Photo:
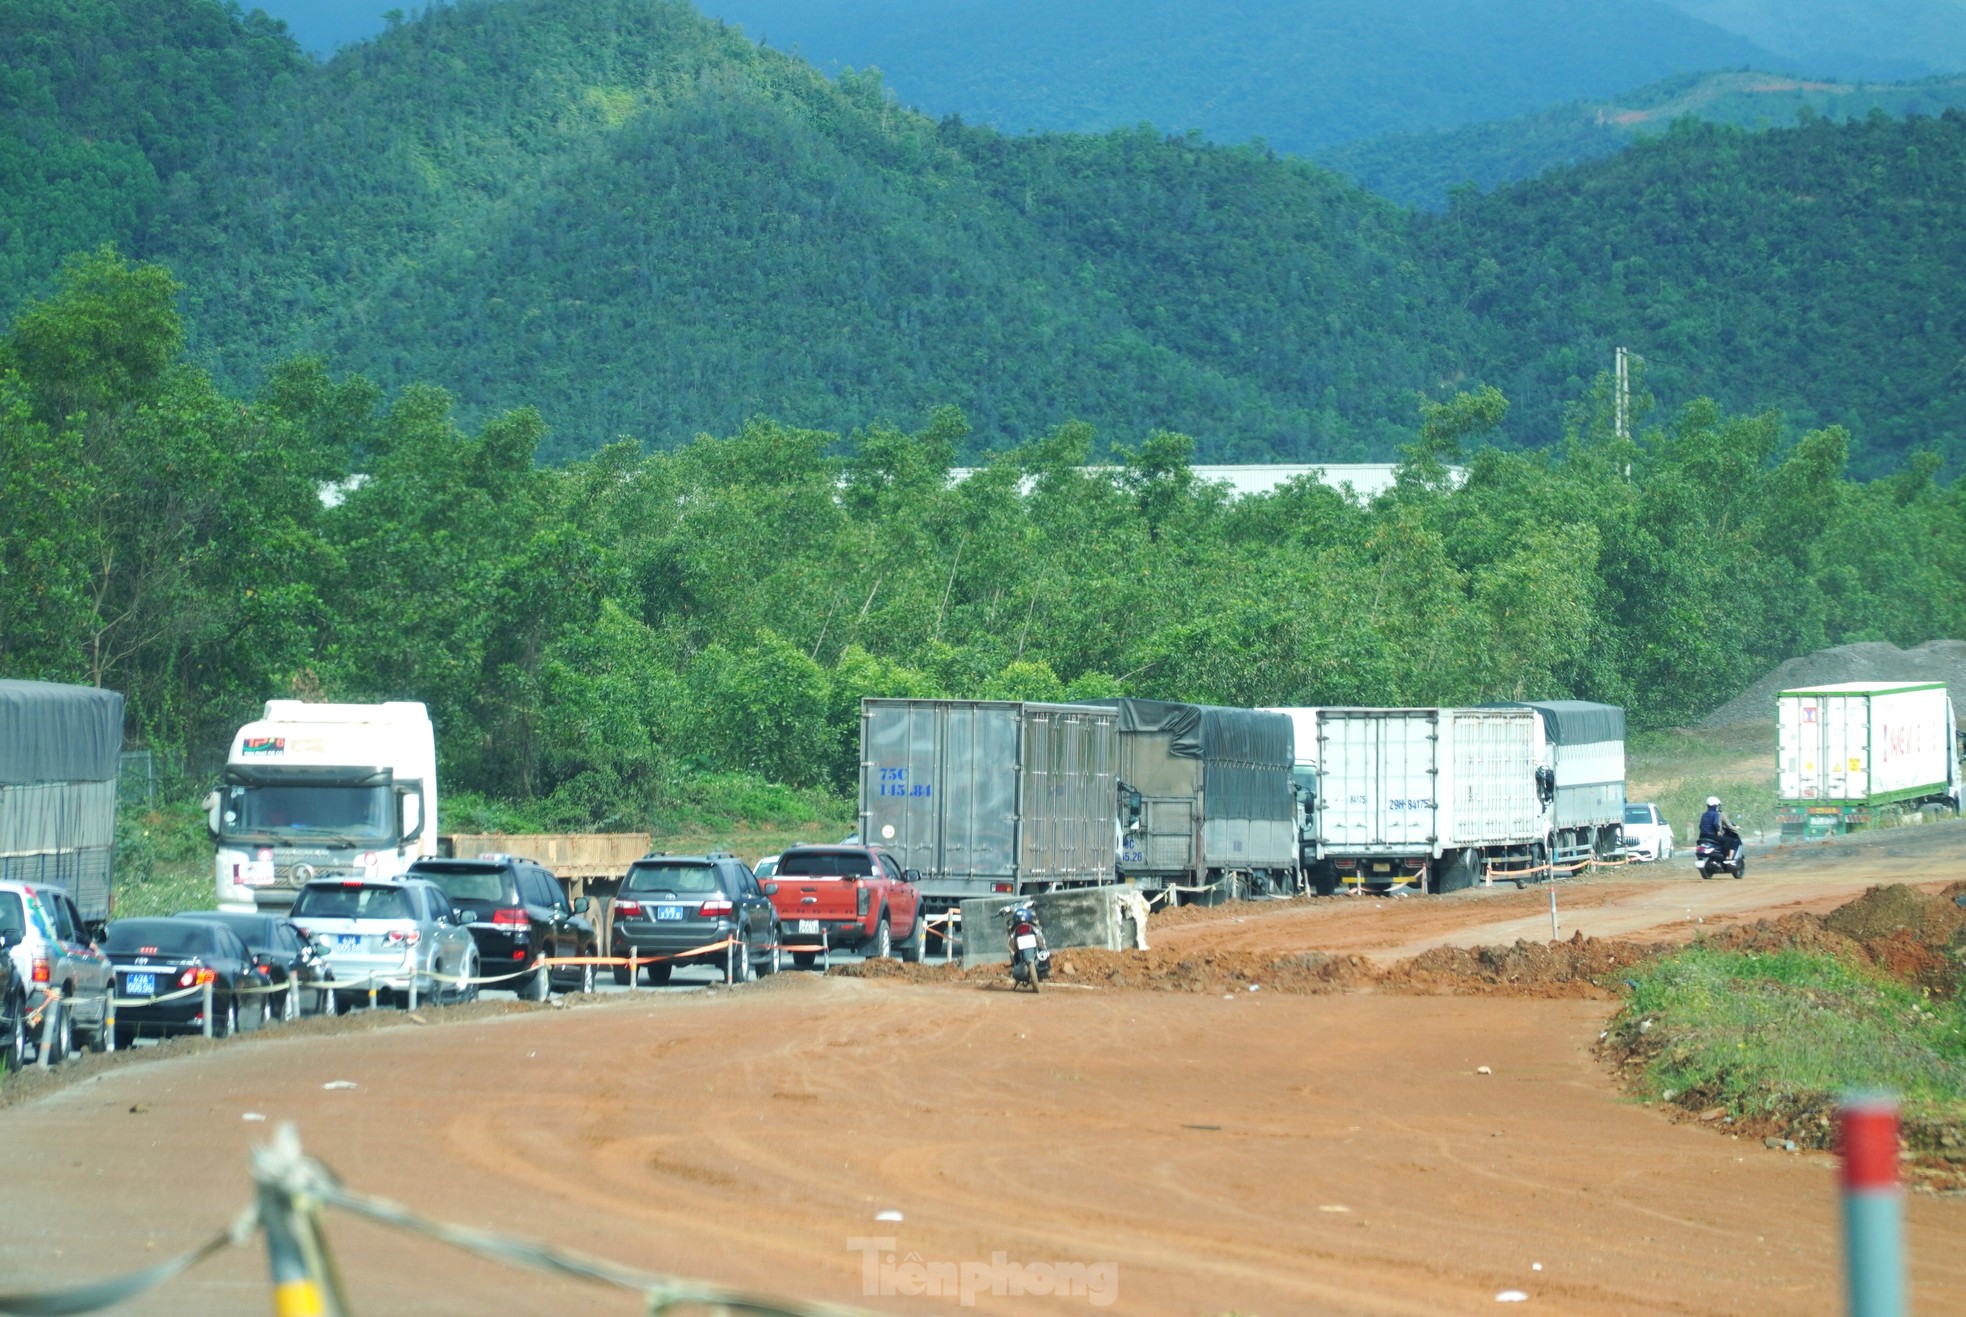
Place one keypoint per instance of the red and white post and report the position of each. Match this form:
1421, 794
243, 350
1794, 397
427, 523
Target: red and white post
1873, 1207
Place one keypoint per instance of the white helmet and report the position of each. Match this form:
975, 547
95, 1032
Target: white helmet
1713, 800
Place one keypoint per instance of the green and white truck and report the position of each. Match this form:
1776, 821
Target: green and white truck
1861, 753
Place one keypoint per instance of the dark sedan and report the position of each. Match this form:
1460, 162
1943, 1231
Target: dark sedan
162, 967
282, 953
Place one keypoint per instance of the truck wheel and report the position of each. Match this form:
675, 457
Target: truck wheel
739, 969
911, 950
882, 946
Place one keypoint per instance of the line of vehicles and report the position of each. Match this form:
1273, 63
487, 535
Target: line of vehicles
326, 823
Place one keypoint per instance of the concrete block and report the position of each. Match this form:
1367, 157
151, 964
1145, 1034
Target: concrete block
1077, 917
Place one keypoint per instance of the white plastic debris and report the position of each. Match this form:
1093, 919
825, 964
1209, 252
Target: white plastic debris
252, 1115
334, 1084
1535, 1266
1334, 1207
889, 1215
1511, 1296
1255, 987
1483, 1070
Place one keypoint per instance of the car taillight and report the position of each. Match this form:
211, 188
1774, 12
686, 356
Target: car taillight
999, 887
627, 908
41, 974
196, 975
866, 898
409, 935
512, 917
718, 909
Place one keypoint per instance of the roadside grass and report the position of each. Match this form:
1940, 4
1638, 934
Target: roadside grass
1677, 770
1776, 1038
163, 860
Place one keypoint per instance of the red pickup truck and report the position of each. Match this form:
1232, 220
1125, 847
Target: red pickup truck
855, 897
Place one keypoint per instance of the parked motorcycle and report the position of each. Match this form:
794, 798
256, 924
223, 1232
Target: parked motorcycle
1711, 858
1030, 959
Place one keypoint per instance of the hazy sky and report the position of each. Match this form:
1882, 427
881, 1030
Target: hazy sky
321, 25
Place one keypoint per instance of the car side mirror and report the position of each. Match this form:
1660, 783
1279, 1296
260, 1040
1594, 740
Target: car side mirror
7, 940
211, 812
581, 905
771, 889
911, 875
459, 917
321, 943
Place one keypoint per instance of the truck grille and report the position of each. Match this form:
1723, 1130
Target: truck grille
300, 873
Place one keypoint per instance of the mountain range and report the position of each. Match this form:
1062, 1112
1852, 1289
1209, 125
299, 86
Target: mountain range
644, 223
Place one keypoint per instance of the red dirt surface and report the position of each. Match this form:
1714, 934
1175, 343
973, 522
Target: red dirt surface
1327, 1147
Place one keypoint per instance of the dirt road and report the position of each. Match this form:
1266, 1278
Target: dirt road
1260, 1154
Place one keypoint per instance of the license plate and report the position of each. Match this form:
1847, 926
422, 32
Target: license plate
139, 985
349, 940
668, 912
808, 925
1026, 941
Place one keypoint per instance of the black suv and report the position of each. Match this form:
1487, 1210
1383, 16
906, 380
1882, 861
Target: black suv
519, 914
705, 909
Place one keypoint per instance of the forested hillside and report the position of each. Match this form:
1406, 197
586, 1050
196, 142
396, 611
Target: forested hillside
1300, 74
603, 642
1423, 169
642, 223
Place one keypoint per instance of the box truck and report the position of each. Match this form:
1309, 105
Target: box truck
990, 797
323, 791
1304, 783
1582, 747
60, 752
1425, 797
1209, 803
1858, 753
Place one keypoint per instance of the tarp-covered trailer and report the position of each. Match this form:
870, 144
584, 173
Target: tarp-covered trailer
1427, 797
1583, 746
1216, 813
1856, 753
60, 751
990, 797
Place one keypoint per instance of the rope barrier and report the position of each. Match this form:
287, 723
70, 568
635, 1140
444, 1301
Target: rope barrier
291, 1191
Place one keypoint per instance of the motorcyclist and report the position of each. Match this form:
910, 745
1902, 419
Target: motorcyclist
1714, 827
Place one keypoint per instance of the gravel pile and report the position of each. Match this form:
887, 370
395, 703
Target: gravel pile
1871, 660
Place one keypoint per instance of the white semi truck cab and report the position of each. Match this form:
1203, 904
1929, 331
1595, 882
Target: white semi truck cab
323, 791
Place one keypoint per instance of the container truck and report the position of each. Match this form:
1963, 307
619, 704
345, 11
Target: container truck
60, 751
990, 797
323, 791
1859, 753
1425, 797
1209, 804
1582, 747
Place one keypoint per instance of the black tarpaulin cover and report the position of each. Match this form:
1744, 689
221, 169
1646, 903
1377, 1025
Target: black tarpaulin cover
1575, 722
54, 733
1246, 755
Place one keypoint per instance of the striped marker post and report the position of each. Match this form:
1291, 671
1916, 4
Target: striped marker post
1873, 1207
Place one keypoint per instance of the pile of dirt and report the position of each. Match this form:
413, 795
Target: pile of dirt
1151, 971
1871, 660
1581, 967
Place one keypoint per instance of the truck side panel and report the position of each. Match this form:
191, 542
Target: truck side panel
1859, 746
1488, 791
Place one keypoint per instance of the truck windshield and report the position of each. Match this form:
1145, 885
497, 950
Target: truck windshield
353, 816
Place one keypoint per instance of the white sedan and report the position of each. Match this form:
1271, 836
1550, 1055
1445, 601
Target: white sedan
1647, 834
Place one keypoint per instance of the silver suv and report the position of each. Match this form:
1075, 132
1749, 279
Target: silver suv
391, 933
51, 948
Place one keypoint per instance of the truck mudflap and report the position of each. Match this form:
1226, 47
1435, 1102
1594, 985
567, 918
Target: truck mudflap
1355, 873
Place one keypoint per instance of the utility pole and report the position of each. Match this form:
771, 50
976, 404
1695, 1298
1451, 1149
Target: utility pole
1624, 395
